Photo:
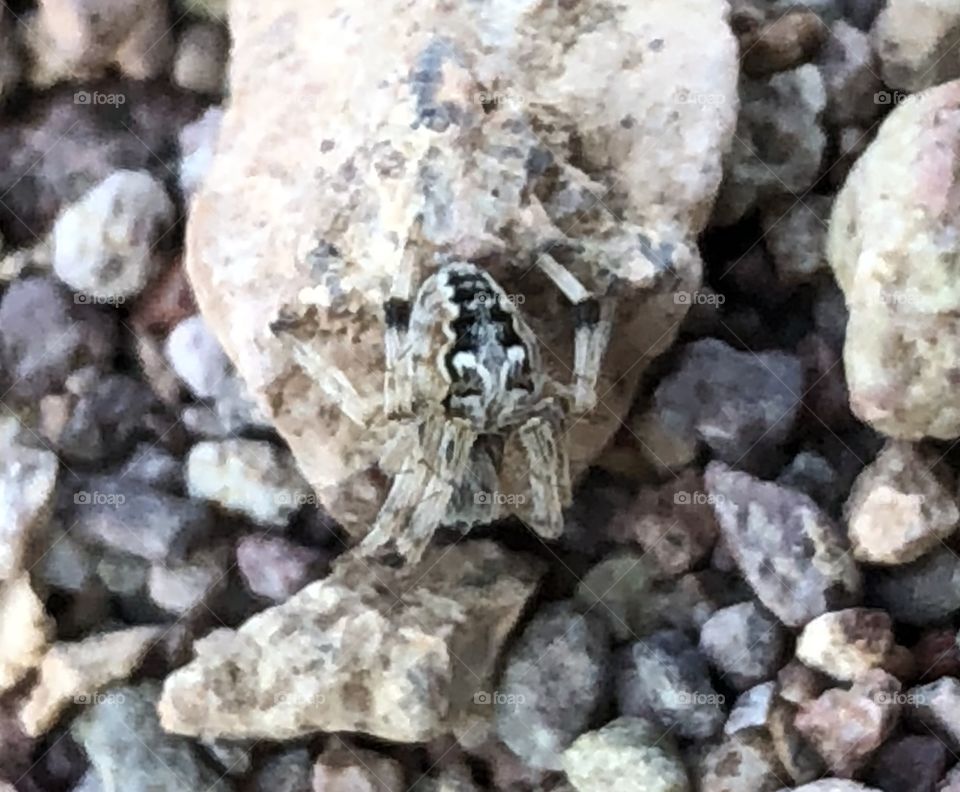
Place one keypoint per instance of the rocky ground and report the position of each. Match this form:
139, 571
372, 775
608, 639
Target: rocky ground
758, 584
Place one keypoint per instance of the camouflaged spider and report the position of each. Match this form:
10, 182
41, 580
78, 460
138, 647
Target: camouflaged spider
463, 375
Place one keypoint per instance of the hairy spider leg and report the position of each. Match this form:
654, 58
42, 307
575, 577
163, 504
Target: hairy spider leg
591, 332
398, 368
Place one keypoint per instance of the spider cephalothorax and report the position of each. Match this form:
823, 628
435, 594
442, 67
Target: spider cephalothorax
465, 385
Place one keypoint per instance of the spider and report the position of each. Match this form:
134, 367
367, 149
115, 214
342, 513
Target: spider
464, 381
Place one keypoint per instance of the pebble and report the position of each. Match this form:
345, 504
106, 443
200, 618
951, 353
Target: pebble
665, 679
25, 629
251, 477
746, 763
75, 673
790, 552
150, 464
795, 234
180, 586
45, 335
812, 474
276, 568
846, 644
201, 58
915, 43
935, 708
736, 403
912, 763
198, 141
27, 481
104, 245
629, 755
288, 771
936, 654
744, 643
673, 523
130, 751
850, 74
66, 564
751, 710
197, 357
779, 144
847, 726
796, 753
924, 592
130, 517
344, 768
831, 785
552, 684
899, 508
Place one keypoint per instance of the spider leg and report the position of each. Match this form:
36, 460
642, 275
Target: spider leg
330, 379
549, 473
398, 368
591, 328
422, 489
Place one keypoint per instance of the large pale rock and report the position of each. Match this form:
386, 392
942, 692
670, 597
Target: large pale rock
848, 643
893, 246
27, 480
24, 630
916, 41
75, 672
399, 654
502, 132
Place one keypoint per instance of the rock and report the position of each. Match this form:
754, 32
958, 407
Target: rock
751, 709
123, 575
24, 630
130, 751
673, 523
910, 763
936, 654
27, 482
206, 9
234, 758
450, 779
197, 357
356, 657
846, 726
275, 568
134, 518
197, 143
936, 708
951, 782
850, 68
831, 785
736, 403
104, 246
899, 508
779, 143
899, 348
628, 754
341, 768
290, 771
926, 591
846, 644
914, 41
862, 13
152, 465
536, 81
10, 65
790, 552
795, 233
16, 748
104, 414
780, 43
180, 586
812, 474
65, 564
251, 477
560, 650
747, 762
82, 40
667, 450
74, 673
44, 336
201, 59
795, 752
744, 643
665, 679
